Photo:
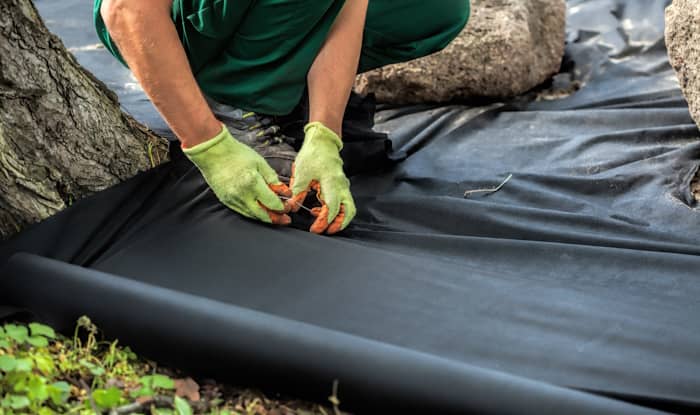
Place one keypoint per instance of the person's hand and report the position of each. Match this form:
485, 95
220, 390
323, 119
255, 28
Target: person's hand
241, 178
318, 166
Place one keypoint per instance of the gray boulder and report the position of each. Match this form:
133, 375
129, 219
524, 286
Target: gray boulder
683, 44
507, 48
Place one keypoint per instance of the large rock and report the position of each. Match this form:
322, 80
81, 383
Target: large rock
683, 43
507, 48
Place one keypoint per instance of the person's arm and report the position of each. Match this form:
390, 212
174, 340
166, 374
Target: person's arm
319, 165
334, 70
147, 39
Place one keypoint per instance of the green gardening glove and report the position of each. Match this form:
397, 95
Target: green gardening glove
241, 178
318, 166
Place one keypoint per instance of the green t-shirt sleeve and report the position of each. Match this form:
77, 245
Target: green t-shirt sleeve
103, 34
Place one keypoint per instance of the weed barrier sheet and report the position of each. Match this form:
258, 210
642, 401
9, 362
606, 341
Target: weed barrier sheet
573, 289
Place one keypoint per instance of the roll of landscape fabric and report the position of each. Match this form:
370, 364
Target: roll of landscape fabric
213, 337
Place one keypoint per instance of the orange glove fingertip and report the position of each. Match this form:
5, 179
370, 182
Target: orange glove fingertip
321, 223
337, 224
280, 219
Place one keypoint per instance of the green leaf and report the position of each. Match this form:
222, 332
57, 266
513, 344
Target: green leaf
96, 370
7, 363
182, 407
4, 344
46, 411
152, 382
163, 382
157, 381
19, 383
58, 392
107, 398
143, 391
36, 389
24, 365
44, 364
130, 355
16, 333
16, 401
42, 330
37, 341
2, 333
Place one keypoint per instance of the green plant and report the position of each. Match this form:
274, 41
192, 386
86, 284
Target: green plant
45, 373
27, 372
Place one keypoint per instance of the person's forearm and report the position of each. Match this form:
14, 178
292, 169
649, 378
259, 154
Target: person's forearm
333, 72
148, 41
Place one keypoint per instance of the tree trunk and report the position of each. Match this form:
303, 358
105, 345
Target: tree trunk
62, 132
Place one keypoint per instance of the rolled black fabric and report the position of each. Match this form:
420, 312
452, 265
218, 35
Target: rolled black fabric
580, 272
202, 334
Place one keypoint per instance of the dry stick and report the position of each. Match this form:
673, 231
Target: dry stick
85, 386
159, 401
334, 398
490, 190
137, 406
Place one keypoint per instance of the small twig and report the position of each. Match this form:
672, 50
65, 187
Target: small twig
334, 398
126, 409
158, 401
85, 386
489, 190
73, 381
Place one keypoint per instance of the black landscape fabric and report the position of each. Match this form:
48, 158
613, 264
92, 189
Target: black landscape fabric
574, 289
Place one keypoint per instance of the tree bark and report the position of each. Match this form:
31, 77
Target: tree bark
62, 132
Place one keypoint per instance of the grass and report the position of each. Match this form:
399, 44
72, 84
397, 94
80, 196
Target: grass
45, 373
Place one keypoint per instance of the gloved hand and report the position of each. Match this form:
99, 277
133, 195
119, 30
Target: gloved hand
318, 166
241, 178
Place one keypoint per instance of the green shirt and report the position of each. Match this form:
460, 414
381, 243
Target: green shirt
256, 54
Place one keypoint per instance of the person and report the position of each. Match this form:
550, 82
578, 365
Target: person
216, 70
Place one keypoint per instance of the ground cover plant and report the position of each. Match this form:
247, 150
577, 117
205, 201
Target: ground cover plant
44, 373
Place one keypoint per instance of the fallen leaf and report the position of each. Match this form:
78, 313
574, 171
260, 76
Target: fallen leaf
187, 388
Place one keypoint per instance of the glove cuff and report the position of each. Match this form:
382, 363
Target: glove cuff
325, 132
202, 147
